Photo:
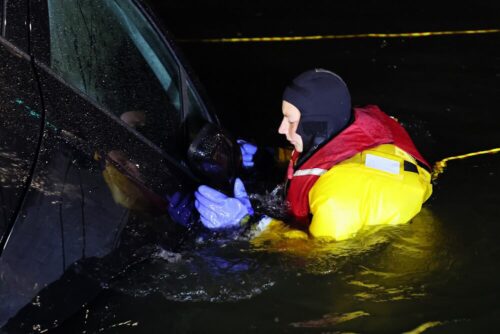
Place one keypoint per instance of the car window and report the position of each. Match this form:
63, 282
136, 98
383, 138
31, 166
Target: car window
196, 114
14, 22
109, 51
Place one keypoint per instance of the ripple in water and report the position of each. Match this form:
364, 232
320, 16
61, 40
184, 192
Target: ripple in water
205, 275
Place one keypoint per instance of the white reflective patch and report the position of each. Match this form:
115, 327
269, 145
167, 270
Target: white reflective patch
312, 171
383, 164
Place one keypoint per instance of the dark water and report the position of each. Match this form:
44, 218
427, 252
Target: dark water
438, 274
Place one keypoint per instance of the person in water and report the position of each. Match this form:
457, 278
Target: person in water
351, 167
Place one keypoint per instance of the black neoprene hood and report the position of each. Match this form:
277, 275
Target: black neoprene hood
324, 102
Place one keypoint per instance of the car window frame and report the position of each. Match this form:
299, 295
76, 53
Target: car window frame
184, 79
15, 49
187, 75
168, 157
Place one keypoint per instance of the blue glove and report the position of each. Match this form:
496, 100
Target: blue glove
248, 150
220, 211
180, 208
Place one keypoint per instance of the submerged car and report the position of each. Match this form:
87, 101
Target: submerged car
98, 114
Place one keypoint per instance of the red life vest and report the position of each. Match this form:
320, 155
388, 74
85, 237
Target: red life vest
371, 127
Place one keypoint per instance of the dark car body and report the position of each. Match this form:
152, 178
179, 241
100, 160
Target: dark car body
97, 113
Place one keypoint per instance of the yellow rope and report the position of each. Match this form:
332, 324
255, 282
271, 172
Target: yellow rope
438, 166
348, 36
441, 165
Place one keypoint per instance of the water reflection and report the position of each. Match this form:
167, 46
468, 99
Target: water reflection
409, 257
206, 275
427, 275
381, 264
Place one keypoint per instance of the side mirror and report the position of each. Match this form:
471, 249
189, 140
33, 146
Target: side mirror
215, 157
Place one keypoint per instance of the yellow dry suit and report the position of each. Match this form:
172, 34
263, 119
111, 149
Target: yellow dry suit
383, 185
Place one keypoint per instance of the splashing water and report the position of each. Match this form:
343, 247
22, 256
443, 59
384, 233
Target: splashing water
272, 203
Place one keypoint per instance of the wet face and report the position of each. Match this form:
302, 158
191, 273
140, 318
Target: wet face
289, 124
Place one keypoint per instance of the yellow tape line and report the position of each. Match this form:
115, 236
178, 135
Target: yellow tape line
441, 165
348, 36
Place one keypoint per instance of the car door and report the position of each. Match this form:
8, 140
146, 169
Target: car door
21, 113
117, 103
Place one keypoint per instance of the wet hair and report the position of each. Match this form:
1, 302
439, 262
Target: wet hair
324, 102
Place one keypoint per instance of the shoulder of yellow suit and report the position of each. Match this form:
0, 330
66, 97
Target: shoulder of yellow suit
371, 188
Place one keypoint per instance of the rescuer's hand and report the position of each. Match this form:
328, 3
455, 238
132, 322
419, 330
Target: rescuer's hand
248, 151
180, 208
220, 211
